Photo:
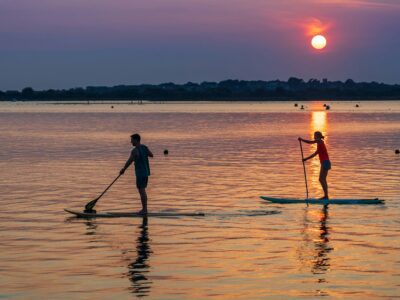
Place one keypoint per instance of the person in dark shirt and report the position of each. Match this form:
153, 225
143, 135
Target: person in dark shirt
140, 156
323, 158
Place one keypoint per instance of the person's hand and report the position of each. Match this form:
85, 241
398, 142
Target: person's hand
122, 172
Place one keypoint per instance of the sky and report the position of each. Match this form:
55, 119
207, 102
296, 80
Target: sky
76, 43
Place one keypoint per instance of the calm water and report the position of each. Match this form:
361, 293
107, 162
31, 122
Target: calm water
222, 157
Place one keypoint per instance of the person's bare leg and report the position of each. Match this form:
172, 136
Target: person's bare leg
322, 179
143, 199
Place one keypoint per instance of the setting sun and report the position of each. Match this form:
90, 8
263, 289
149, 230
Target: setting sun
318, 42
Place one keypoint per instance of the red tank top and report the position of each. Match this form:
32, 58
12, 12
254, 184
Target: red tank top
322, 152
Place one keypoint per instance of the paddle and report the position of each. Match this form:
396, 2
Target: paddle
90, 205
304, 168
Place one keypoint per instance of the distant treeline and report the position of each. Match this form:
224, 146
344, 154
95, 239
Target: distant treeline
294, 88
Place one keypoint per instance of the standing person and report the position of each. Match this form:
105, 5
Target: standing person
323, 158
140, 156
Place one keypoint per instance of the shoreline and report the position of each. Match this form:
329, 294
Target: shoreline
191, 101
121, 106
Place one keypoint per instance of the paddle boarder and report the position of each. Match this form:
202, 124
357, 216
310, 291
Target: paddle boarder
323, 158
140, 156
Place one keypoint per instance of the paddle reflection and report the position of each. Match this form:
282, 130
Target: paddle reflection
139, 268
91, 227
314, 251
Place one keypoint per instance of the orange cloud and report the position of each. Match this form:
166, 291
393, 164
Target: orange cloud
385, 4
315, 26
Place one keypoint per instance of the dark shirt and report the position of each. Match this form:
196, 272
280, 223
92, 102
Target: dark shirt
142, 166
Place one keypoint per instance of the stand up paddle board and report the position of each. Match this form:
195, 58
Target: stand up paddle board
324, 201
80, 214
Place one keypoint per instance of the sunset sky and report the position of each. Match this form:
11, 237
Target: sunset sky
63, 44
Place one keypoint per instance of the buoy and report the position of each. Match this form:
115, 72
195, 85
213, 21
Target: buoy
357, 105
112, 106
166, 152
295, 105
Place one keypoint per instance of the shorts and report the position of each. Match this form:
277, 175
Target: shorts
326, 165
141, 182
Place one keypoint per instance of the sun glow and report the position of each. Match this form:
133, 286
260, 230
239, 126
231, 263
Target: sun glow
319, 122
318, 42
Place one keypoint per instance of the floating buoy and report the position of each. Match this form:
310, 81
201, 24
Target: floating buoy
357, 105
295, 105
112, 106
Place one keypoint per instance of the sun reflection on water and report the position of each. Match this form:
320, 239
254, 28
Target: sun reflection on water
319, 122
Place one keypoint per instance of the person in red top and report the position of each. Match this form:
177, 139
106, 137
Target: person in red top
323, 158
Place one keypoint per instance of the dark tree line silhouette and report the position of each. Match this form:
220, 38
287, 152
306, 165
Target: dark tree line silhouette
293, 88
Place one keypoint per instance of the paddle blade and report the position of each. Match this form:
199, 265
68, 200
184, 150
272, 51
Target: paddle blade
90, 205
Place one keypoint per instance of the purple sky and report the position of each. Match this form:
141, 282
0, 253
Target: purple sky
70, 43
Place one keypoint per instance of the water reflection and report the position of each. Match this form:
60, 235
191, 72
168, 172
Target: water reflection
319, 122
315, 249
321, 244
64, 263
91, 227
139, 268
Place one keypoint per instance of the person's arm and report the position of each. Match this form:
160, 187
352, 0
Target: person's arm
311, 156
307, 141
130, 160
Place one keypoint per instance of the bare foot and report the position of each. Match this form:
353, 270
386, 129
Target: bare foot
324, 198
142, 212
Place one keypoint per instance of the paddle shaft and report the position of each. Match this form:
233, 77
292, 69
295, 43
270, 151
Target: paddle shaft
89, 206
108, 187
304, 168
